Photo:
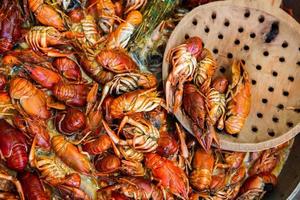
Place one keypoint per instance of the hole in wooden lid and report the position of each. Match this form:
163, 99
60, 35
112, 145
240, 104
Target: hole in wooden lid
282, 59
266, 53
214, 15
259, 115
258, 67
252, 35
241, 29
274, 73
285, 44
275, 119
246, 47
297, 110
215, 50
220, 36
254, 129
247, 13
271, 133
280, 106
261, 18
253, 82
291, 78
237, 42
298, 63
226, 23
264, 100
285, 93
195, 22
206, 29
229, 55
186, 36
271, 89
290, 124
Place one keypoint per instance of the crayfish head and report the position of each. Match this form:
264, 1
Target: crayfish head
194, 46
76, 15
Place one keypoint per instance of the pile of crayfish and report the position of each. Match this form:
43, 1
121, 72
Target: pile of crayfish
80, 120
208, 102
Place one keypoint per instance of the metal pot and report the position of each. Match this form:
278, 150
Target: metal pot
289, 179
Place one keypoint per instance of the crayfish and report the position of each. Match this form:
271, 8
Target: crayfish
216, 102
203, 165
7, 183
238, 99
183, 60
32, 100
13, 147
128, 82
43, 38
195, 107
257, 185
136, 101
33, 187
73, 158
71, 122
46, 14
143, 135
121, 36
204, 70
171, 177
67, 68
56, 173
132, 187
10, 24
33, 128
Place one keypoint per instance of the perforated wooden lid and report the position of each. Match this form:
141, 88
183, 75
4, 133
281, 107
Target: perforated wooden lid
269, 42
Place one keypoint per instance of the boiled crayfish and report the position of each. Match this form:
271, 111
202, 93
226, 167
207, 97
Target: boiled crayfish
136, 101
238, 99
183, 60
31, 99
128, 82
171, 177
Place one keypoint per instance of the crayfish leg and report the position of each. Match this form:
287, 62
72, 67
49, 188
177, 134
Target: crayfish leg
114, 137
178, 96
15, 182
183, 147
92, 97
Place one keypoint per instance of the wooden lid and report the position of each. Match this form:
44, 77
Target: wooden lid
268, 41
